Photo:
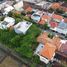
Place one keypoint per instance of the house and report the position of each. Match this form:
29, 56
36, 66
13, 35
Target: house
57, 42
62, 28
55, 6
65, 20
7, 10
22, 27
57, 18
63, 50
33, 1
47, 47
38, 49
44, 19
29, 9
5, 4
43, 38
64, 46
53, 24
47, 53
58, 24
8, 21
44, 4
6, 7
64, 6
19, 6
36, 16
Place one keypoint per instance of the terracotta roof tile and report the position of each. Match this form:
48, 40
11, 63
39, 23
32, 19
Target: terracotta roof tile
57, 42
29, 9
42, 22
55, 5
42, 37
43, 19
48, 51
55, 16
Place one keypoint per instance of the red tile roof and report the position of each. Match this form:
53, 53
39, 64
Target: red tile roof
48, 50
29, 9
43, 38
55, 16
43, 19
55, 5
57, 42
42, 22
53, 24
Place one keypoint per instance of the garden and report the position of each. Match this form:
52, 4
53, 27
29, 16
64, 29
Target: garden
24, 45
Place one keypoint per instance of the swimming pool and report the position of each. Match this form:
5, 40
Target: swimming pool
36, 17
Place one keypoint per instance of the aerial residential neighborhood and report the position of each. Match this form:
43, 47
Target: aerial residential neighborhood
33, 33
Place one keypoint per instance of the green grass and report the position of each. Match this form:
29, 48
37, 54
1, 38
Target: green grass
24, 45
65, 0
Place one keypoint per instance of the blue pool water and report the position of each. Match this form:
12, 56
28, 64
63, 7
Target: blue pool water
36, 17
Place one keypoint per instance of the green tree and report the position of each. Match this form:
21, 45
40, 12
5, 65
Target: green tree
50, 35
17, 20
10, 14
46, 26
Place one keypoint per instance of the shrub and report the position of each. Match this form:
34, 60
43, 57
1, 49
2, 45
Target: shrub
26, 18
46, 26
23, 13
15, 41
2, 18
60, 11
50, 35
10, 14
17, 20
36, 59
50, 10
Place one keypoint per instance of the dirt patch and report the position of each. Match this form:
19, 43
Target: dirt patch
9, 62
